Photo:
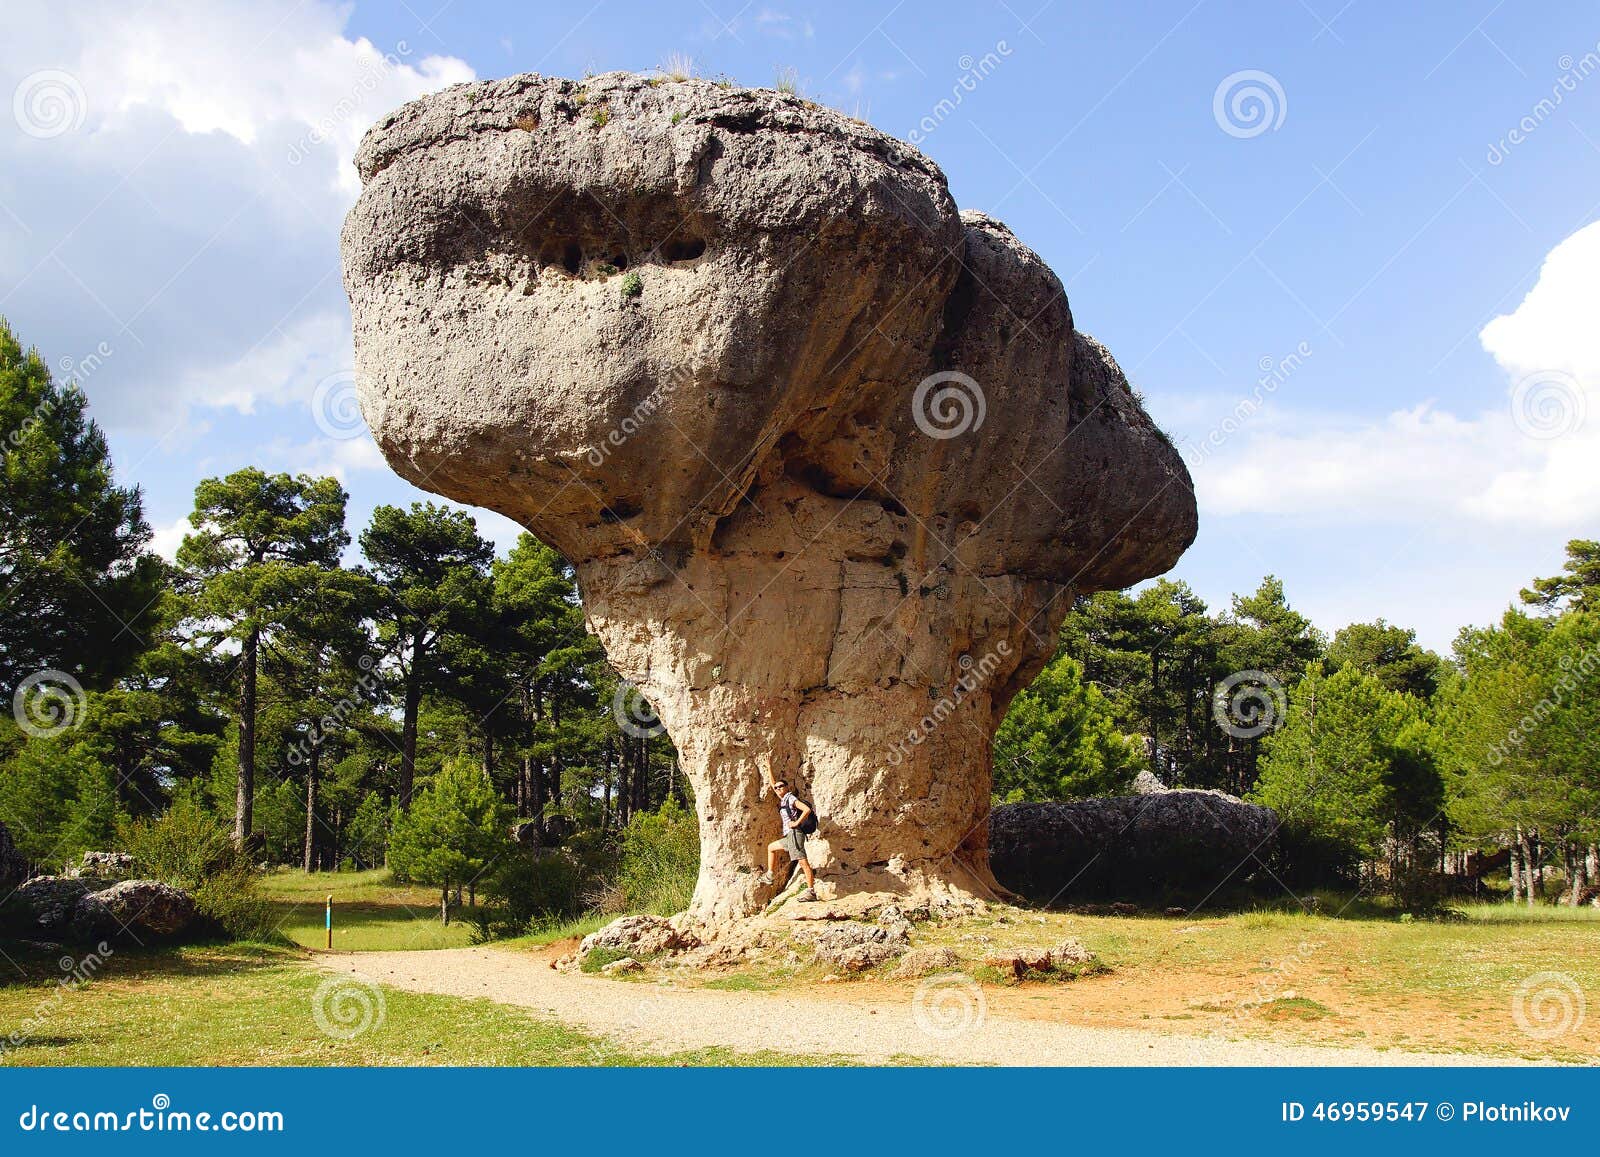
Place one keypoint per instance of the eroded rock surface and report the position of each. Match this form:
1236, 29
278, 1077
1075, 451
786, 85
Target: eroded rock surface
828, 455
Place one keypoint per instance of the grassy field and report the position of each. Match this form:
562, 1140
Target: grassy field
370, 912
1503, 980
257, 1005
1500, 979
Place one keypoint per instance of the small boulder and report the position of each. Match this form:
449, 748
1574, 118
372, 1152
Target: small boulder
141, 909
637, 936
920, 962
1070, 952
854, 946
620, 967
1018, 962
1005, 963
105, 866
51, 901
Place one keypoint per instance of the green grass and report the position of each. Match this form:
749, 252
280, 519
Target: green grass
370, 912
744, 982
1508, 913
1293, 1008
256, 1005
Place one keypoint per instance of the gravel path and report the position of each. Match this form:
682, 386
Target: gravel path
878, 1025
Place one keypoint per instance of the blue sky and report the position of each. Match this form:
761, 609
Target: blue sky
1396, 227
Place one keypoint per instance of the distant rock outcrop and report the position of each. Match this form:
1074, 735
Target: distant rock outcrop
1158, 844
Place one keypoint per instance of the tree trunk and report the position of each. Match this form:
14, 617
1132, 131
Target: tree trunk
244, 799
1516, 867
1574, 872
408, 725
1526, 844
311, 806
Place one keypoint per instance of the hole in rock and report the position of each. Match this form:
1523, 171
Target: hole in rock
684, 250
572, 259
619, 510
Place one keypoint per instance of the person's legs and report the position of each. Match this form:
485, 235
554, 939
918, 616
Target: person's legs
774, 851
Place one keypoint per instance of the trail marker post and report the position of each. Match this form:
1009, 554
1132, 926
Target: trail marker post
330, 922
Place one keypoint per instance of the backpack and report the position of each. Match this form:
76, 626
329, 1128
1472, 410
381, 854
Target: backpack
807, 826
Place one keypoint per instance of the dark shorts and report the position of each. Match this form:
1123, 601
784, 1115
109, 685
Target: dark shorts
794, 842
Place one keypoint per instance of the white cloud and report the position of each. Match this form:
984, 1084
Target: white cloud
187, 210
338, 457
248, 68
165, 540
1530, 461
1557, 326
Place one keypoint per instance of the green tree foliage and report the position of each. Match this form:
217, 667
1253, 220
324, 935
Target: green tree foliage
1391, 653
432, 570
1159, 657
58, 800
1351, 771
80, 591
264, 551
1522, 745
1576, 586
1059, 741
659, 860
456, 827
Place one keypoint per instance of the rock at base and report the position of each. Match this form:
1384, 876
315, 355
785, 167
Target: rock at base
637, 936
854, 946
1145, 846
618, 967
920, 962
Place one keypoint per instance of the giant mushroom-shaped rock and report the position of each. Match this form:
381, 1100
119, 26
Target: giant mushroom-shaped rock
828, 456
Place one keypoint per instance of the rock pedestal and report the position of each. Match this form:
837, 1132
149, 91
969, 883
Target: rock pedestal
829, 457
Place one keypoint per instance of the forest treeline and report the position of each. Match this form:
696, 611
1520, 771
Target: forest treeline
401, 695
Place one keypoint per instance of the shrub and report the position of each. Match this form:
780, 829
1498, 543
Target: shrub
659, 861
189, 848
527, 889
232, 901
184, 846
